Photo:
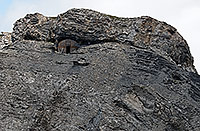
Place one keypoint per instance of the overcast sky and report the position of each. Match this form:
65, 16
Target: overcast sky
184, 15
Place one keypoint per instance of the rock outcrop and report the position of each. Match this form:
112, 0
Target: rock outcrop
132, 74
90, 26
5, 39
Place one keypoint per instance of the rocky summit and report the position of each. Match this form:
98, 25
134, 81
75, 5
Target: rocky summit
88, 71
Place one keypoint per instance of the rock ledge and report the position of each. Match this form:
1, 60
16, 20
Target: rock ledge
88, 26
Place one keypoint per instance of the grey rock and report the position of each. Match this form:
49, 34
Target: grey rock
5, 39
105, 85
33, 27
86, 25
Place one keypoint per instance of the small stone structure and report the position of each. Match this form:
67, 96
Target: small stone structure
67, 46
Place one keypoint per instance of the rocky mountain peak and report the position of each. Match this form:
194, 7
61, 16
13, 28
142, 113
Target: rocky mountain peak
85, 70
91, 26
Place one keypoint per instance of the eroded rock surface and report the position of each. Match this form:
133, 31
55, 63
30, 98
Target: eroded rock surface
89, 26
5, 39
111, 82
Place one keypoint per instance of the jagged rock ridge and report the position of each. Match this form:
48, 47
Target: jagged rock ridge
91, 26
114, 81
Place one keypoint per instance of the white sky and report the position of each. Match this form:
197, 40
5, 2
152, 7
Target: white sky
184, 15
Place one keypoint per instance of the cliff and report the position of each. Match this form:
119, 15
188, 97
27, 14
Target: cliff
128, 74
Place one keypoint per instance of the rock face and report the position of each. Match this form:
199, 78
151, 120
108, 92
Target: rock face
5, 39
132, 74
90, 26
